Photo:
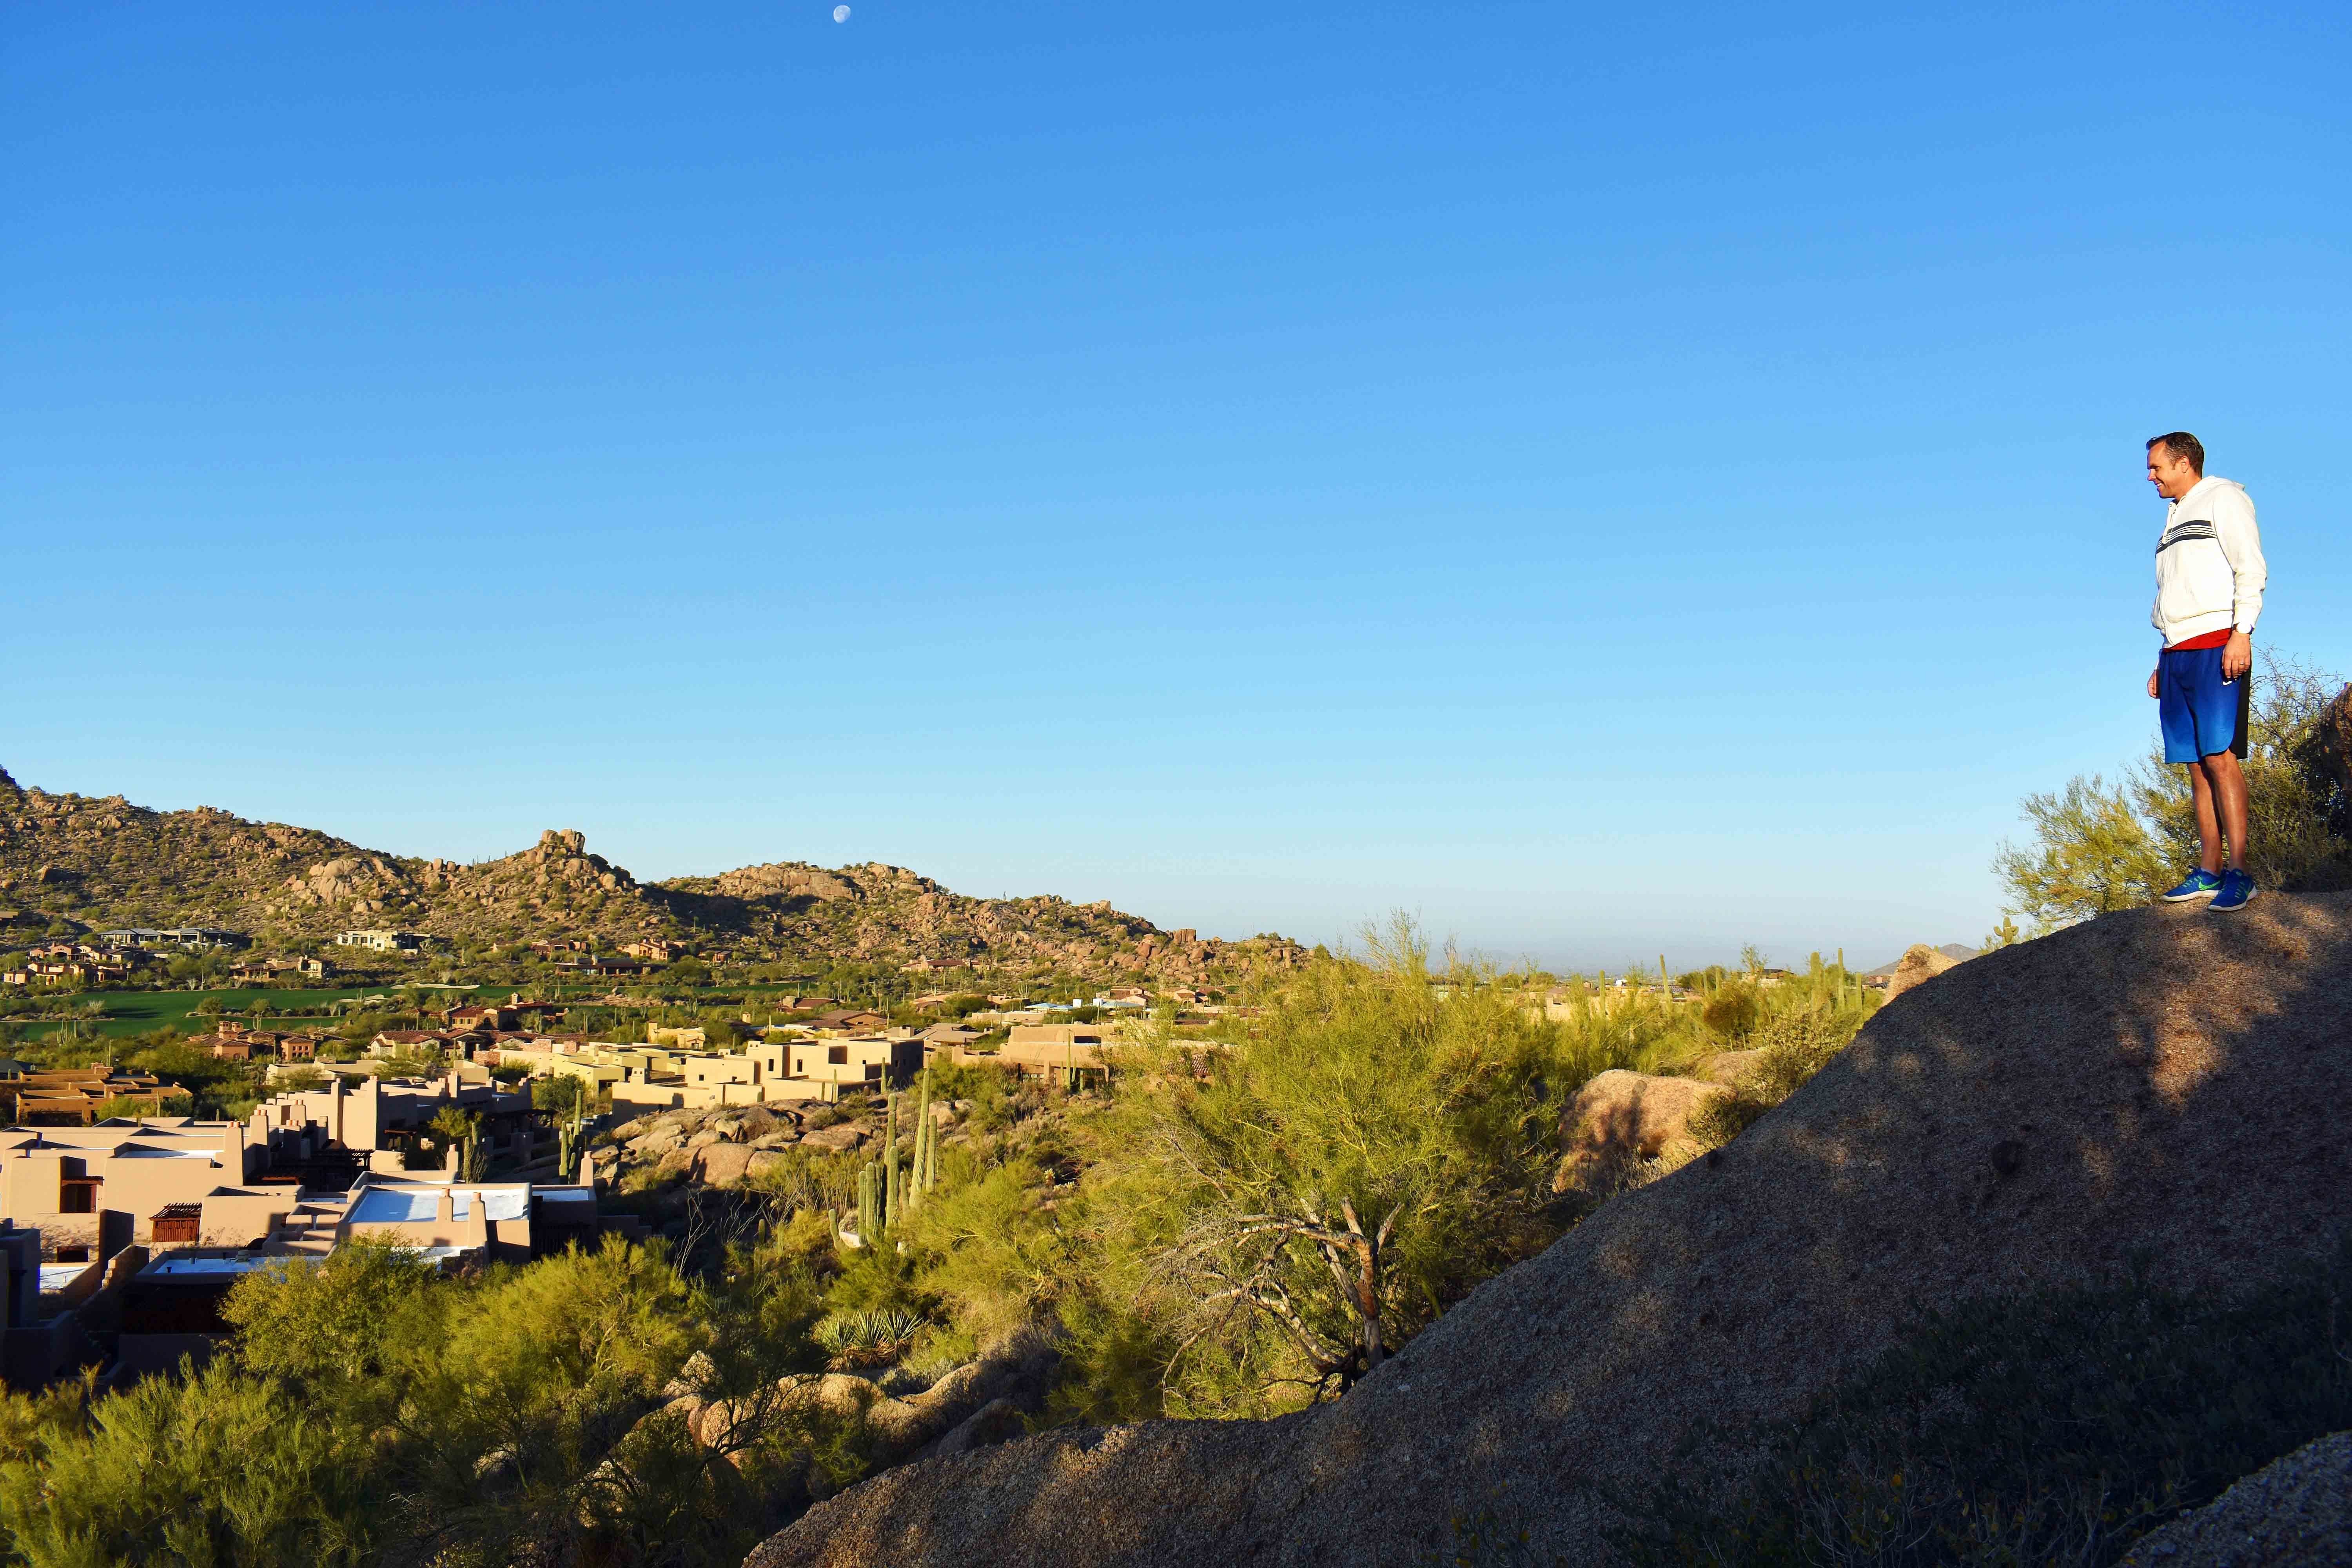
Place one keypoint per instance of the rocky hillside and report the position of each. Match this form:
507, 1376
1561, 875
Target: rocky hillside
102, 862
887, 912
2163, 1084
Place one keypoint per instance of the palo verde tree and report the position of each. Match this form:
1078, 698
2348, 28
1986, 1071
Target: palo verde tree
1376, 1145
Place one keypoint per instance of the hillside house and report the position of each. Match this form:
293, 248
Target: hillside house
191, 939
235, 1042
398, 1042
856, 1061
948, 1042
394, 942
483, 1016
847, 1020
78, 972
71, 1096
1037, 1049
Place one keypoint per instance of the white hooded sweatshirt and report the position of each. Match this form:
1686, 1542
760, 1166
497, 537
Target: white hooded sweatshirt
2210, 572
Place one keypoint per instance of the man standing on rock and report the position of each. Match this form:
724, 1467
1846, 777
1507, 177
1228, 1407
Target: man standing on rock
2209, 576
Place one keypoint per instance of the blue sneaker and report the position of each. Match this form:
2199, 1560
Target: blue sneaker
2237, 892
2201, 885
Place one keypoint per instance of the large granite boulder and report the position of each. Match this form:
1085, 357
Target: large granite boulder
1620, 1118
2156, 1085
1918, 965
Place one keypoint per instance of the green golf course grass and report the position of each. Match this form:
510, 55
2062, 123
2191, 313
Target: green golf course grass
130, 1013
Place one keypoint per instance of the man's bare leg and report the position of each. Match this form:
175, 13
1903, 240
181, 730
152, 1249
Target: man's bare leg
2209, 826
2219, 786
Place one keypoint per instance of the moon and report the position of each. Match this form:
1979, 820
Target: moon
841, 13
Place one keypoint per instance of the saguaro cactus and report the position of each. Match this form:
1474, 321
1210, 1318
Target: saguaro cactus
894, 1192
924, 1141
869, 1218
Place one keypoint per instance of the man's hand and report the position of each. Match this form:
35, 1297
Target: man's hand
2151, 682
2237, 656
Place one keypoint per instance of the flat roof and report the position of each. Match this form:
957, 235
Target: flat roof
412, 1205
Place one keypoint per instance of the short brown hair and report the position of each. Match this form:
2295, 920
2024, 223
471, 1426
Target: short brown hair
2181, 444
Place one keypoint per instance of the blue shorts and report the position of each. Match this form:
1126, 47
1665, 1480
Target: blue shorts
2202, 714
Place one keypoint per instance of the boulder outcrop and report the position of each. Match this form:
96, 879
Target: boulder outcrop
1623, 1117
1918, 965
1728, 1068
2161, 1083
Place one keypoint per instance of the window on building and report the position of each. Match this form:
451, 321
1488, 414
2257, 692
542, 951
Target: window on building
78, 1197
838, 1055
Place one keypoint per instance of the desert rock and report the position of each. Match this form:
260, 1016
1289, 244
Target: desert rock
2296, 1512
2178, 1091
1620, 1116
1918, 965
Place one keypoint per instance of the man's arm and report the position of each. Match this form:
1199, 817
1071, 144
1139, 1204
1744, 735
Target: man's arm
2241, 543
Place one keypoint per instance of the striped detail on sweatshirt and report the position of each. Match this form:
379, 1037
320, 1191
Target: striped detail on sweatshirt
2180, 533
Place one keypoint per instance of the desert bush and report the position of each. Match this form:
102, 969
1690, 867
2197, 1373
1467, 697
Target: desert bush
1732, 1012
2054, 1428
217, 1467
1796, 1044
1379, 1122
807, 1179
990, 1092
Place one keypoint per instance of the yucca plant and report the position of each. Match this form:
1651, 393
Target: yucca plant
859, 1339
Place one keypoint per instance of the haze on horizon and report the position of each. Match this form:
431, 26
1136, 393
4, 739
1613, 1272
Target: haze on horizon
1610, 484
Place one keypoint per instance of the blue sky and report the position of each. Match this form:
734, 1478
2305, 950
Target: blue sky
1605, 482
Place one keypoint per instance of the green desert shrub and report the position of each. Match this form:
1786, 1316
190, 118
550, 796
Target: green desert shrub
1796, 1044
2054, 1428
218, 1467
1732, 1012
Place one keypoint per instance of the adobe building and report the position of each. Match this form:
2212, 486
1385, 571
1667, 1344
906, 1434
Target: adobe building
92, 1189
1037, 1049
171, 1306
71, 1096
381, 1119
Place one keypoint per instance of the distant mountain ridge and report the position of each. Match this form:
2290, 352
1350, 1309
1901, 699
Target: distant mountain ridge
106, 862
